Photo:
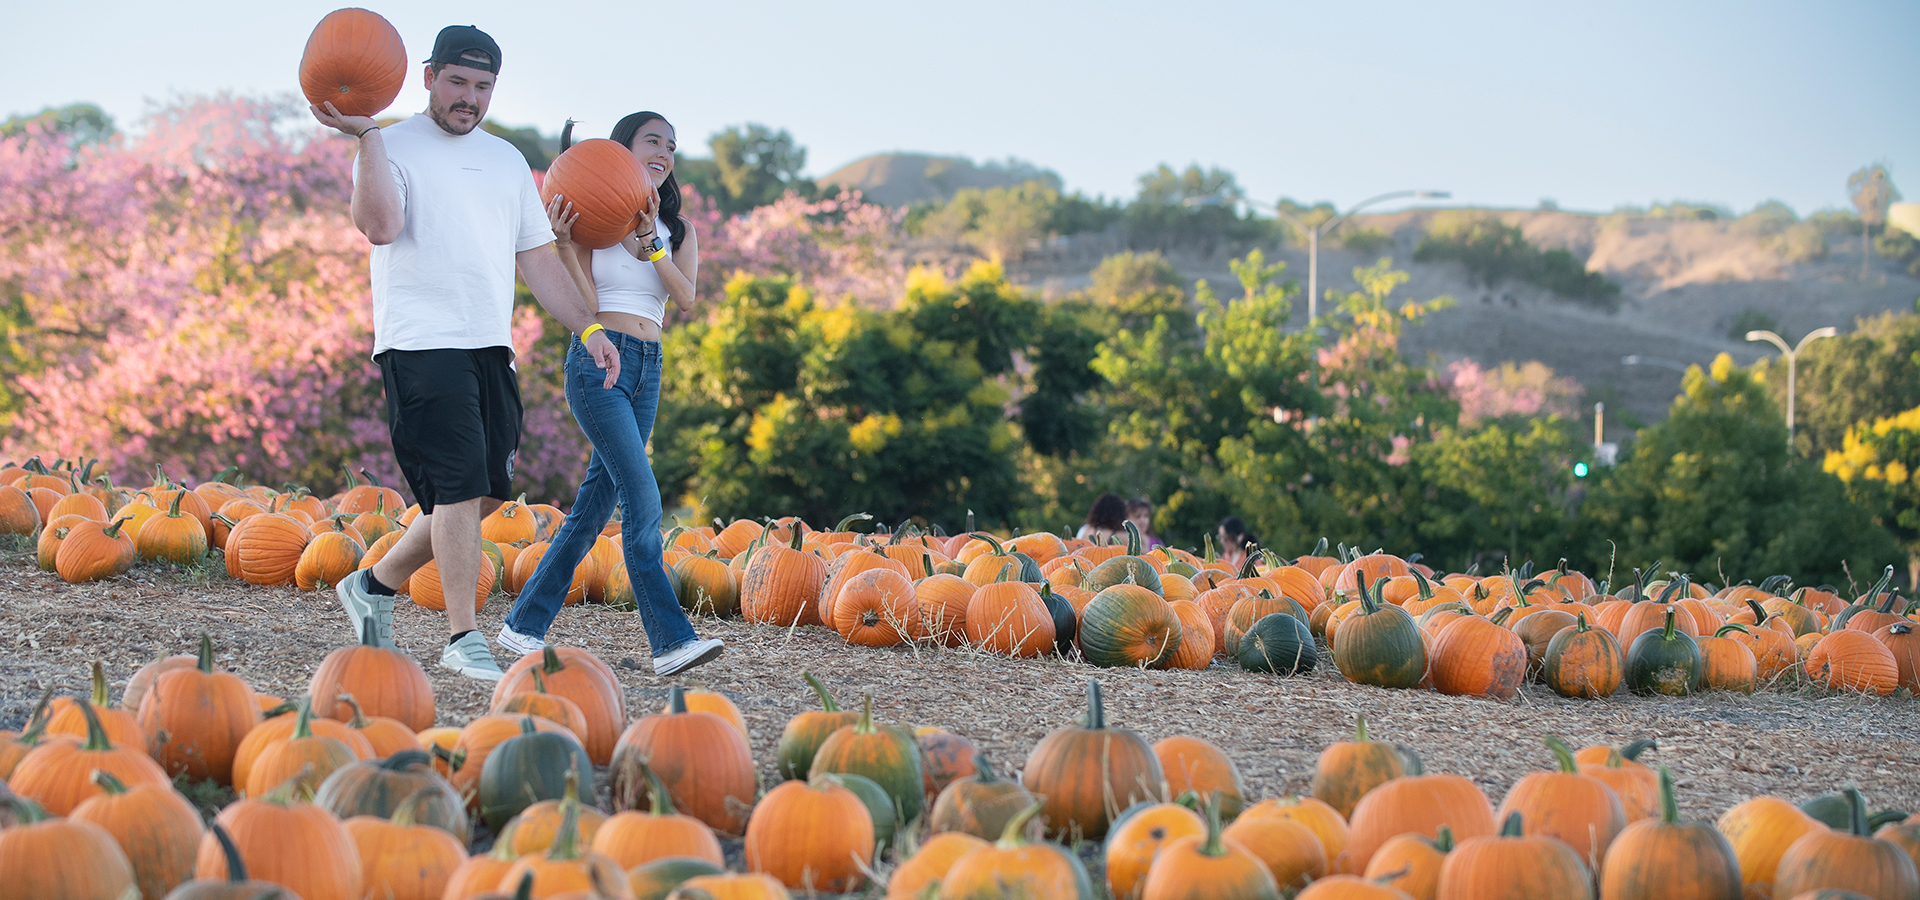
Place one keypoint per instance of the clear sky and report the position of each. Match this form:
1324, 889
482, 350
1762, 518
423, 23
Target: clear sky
1591, 104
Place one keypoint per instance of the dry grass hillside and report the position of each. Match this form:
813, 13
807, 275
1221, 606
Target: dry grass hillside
1685, 286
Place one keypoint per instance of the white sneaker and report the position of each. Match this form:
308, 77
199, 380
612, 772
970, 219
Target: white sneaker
471, 657
687, 655
517, 642
361, 604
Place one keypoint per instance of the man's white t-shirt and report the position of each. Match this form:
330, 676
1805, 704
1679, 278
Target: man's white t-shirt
469, 204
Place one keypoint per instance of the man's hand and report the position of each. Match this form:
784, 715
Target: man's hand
351, 126
604, 356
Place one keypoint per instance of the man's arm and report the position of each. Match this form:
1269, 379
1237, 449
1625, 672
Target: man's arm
547, 277
376, 208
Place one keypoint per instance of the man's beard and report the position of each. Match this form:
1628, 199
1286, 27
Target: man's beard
441, 117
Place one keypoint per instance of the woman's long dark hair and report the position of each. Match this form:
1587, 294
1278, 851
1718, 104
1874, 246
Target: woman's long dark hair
623, 132
1109, 513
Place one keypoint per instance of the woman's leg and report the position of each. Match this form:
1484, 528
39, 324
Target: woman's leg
546, 591
624, 444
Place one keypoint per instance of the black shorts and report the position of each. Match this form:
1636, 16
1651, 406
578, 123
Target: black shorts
454, 416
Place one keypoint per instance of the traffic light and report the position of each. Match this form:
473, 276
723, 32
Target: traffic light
1579, 470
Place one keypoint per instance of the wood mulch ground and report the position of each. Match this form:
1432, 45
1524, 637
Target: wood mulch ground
1792, 741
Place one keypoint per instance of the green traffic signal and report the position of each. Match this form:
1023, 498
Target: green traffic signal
1579, 470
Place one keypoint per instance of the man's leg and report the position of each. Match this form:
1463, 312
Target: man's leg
406, 556
455, 533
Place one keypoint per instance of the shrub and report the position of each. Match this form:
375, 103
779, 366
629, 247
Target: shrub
1494, 251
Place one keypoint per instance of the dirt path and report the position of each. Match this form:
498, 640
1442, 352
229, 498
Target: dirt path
1723, 748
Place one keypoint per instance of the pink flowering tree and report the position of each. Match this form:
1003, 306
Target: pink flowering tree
1526, 390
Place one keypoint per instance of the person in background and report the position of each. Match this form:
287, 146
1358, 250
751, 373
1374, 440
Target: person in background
1105, 520
1235, 541
1140, 513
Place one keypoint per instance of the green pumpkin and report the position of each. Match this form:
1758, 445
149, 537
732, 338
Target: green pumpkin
805, 732
1380, 645
1066, 623
888, 755
527, 769
1278, 643
1121, 627
376, 787
1664, 661
879, 806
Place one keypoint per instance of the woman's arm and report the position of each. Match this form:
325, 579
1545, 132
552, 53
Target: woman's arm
577, 259
679, 277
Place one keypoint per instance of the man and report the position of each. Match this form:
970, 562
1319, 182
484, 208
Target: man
451, 211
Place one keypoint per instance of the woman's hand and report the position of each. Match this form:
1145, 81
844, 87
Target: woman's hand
561, 216
650, 205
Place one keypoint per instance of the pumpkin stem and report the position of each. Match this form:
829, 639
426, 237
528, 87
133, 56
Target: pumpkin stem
1011, 836
1563, 753
676, 699
1207, 539
1667, 633
865, 724
173, 511
1733, 626
525, 890
1213, 847
983, 770
794, 544
1500, 617
856, 517
826, 699
539, 682
359, 719
1873, 593
566, 842
661, 801
550, 660
106, 782
303, 722
1005, 571
1096, 710
1443, 839
1247, 568
1512, 827
926, 565
96, 734
206, 653
1426, 589
236, 865
113, 529
1580, 623
1678, 584
100, 697
1857, 812
1360, 729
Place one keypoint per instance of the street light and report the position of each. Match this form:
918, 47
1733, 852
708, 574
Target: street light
1791, 354
1327, 227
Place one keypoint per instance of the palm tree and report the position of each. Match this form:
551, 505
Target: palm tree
1872, 191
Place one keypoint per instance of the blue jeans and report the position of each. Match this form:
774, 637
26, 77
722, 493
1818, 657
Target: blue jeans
618, 422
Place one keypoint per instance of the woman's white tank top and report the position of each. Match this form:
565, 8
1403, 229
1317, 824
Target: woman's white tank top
631, 286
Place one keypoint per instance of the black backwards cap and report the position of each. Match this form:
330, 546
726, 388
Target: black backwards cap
456, 40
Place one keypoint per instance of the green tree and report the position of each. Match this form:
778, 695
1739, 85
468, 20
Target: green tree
1872, 191
536, 147
794, 408
83, 123
1713, 489
1880, 463
1494, 251
1870, 373
1501, 492
752, 165
1194, 208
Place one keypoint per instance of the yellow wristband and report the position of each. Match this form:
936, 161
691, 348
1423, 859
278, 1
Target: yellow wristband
590, 330
658, 255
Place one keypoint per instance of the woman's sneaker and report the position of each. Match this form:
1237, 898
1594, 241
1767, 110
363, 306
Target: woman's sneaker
361, 604
518, 643
687, 655
471, 657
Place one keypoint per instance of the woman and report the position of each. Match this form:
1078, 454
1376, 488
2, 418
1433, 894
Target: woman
1140, 513
628, 285
1105, 521
1235, 542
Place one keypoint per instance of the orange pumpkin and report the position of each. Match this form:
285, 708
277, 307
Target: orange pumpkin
632, 838
1347, 770
58, 774
355, 60
701, 758
197, 718
581, 677
288, 842
1087, 773
156, 827
815, 835
608, 191
1580, 810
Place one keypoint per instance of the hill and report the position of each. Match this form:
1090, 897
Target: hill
1690, 289
901, 179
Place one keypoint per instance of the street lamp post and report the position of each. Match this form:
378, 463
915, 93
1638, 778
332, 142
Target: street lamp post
1313, 235
1792, 354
